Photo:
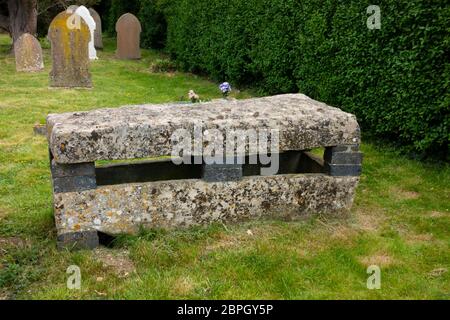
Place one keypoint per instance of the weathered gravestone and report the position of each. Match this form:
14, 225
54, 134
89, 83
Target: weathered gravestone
84, 13
128, 30
98, 38
69, 36
123, 198
28, 53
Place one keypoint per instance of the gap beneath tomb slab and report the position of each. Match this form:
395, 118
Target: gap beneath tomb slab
163, 169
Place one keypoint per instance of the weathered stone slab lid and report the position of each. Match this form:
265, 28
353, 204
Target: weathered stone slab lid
144, 131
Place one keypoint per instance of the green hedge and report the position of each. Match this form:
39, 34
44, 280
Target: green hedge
150, 14
396, 80
118, 8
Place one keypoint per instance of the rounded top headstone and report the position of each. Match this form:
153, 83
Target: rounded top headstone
69, 36
94, 14
128, 20
28, 54
129, 31
98, 39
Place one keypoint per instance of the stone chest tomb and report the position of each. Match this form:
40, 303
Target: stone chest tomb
147, 188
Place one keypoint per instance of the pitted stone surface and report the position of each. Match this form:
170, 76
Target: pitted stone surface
145, 131
70, 53
126, 208
128, 30
98, 37
28, 54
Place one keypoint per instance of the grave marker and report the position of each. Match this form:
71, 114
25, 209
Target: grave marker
69, 36
128, 30
28, 53
98, 37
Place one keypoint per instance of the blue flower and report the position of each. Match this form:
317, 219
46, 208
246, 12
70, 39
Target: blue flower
225, 88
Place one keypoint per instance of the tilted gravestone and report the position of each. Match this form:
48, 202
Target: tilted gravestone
128, 30
98, 38
84, 13
69, 36
28, 53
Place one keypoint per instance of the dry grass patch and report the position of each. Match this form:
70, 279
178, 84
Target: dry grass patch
11, 242
4, 295
368, 219
402, 194
439, 272
183, 286
412, 239
437, 214
241, 237
380, 259
3, 213
117, 261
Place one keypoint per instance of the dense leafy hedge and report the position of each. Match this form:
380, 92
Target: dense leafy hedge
395, 79
116, 9
149, 12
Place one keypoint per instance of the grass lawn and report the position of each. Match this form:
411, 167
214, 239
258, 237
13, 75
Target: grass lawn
400, 220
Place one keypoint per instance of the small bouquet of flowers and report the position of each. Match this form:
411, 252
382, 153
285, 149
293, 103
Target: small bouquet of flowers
225, 88
195, 98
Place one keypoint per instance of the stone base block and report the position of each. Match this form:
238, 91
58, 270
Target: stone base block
126, 208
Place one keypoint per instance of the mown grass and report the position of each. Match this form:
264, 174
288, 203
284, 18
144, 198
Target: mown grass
400, 220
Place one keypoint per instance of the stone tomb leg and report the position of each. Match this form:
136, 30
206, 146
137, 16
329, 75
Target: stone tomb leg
344, 160
74, 178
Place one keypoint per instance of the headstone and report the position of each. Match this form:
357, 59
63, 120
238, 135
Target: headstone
69, 36
98, 37
84, 13
128, 30
28, 53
